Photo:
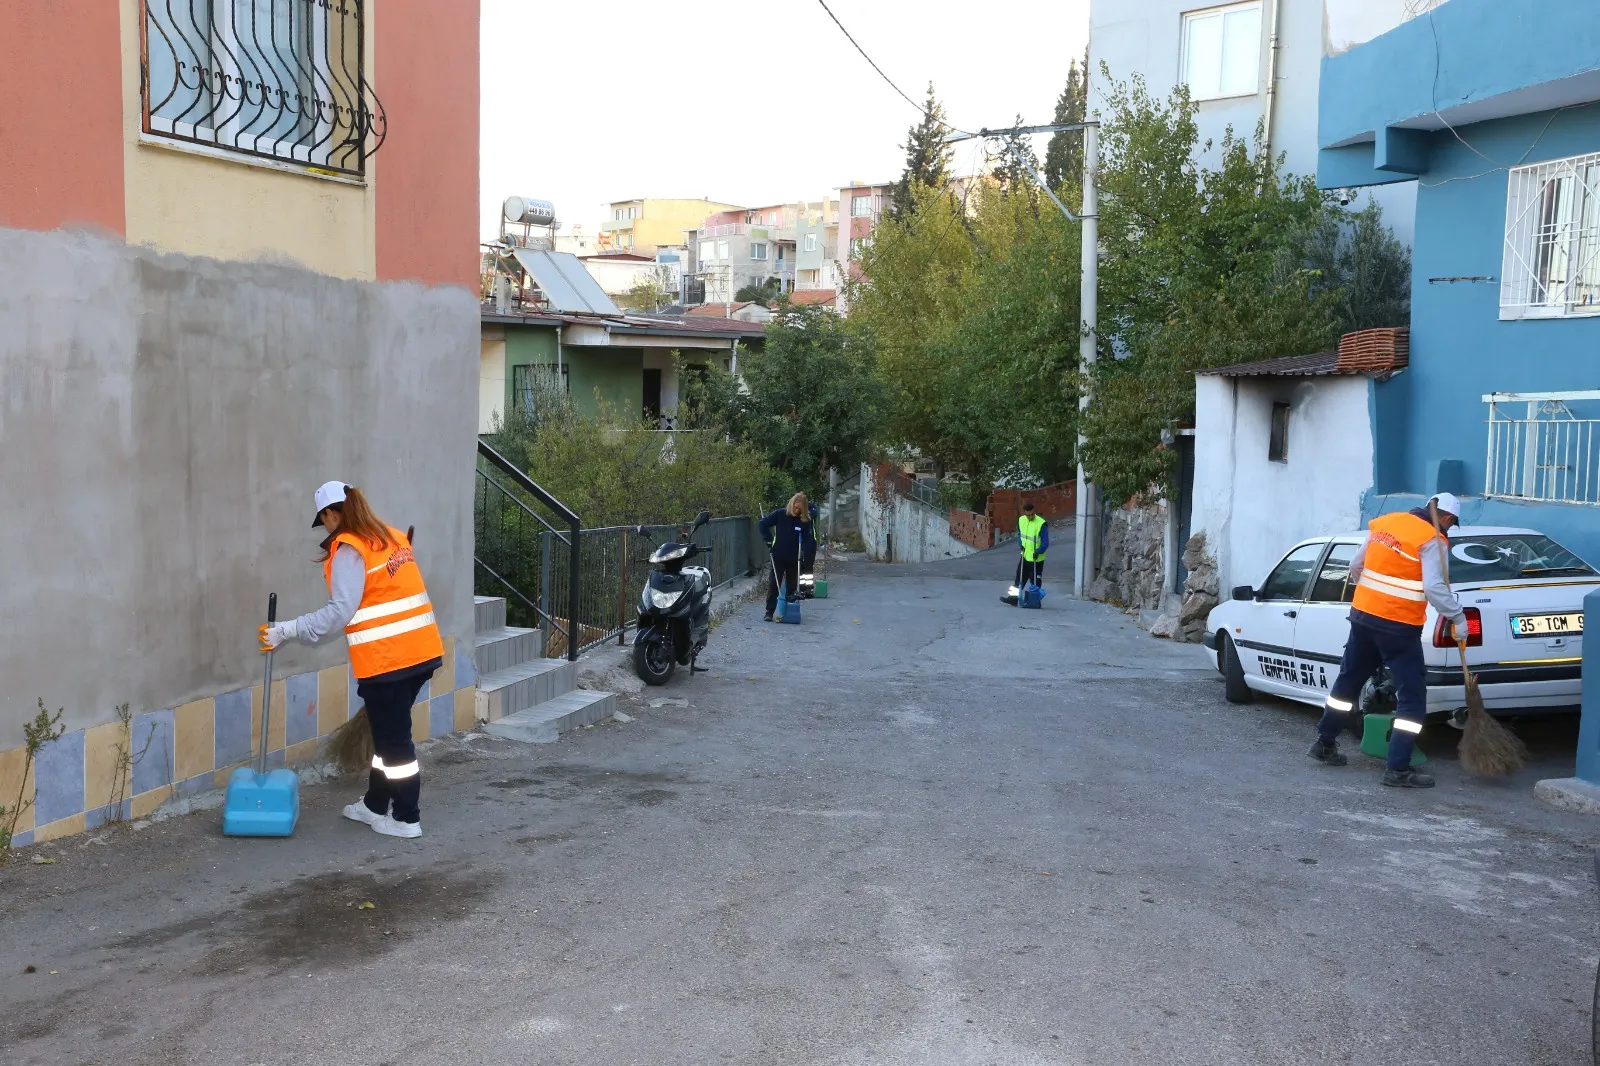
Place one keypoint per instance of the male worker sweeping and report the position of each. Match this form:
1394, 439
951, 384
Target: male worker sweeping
1033, 534
1397, 572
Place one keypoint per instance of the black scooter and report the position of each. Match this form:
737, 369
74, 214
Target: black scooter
674, 610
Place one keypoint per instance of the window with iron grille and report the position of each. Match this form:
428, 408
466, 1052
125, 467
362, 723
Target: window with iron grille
1551, 264
281, 80
530, 382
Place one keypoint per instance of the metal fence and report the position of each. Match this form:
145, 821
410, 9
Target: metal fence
1540, 450
616, 562
523, 551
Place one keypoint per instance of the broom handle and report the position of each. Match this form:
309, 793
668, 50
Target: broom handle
1444, 562
266, 688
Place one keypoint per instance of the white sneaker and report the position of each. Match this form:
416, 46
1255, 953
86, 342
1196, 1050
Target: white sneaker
360, 812
386, 825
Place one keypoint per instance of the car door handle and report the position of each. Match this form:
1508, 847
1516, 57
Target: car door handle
1291, 614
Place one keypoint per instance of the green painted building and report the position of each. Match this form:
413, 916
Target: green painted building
623, 361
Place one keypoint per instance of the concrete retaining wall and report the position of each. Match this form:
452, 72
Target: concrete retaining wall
163, 422
905, 531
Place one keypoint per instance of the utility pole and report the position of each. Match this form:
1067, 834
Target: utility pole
1086, 553
1087, 547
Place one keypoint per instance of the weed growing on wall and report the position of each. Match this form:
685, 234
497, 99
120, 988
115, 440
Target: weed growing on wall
44, 728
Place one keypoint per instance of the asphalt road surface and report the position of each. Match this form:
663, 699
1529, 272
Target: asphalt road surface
920, 828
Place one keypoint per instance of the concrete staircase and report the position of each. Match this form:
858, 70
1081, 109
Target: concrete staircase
521, 694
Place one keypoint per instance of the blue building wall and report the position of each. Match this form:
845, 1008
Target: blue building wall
1485, 56
1460, 349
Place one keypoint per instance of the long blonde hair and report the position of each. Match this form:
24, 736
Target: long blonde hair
797, 506
356, 518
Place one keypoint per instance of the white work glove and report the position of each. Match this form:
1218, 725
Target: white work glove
273, 635
1458, 630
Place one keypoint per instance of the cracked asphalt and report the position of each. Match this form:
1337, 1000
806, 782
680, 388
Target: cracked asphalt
920, 828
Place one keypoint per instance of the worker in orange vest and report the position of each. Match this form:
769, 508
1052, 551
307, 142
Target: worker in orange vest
1397, 572
376, 596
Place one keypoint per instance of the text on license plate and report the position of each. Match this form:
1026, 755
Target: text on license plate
1543, 625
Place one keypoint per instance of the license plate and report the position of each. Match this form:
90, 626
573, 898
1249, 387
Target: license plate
1547, 625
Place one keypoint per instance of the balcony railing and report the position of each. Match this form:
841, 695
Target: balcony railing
727, 229
1540, 450
282, 80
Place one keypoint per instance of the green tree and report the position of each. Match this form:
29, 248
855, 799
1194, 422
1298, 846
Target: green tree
927, 158
1010, 172
766, 292
916, 285
1203, 268
810, 398
1009, 390
1063, 159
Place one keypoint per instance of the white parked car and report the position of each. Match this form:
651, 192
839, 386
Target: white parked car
1523, 594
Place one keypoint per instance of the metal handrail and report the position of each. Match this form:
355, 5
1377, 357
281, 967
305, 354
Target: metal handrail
534, 489
525, 483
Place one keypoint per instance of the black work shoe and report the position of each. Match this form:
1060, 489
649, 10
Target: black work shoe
1327, 752
767, 617
1407, 779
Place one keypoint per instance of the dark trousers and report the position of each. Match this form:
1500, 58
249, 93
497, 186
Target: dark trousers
790, 569
1029, 572
1399, 647
395, 776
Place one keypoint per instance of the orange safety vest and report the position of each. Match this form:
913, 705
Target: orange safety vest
1390, 585
394, 627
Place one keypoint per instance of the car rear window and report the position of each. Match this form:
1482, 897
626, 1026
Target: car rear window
1512, 555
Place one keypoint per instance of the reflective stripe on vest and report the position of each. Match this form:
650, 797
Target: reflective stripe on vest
394, 626
1028, 527
1390, 585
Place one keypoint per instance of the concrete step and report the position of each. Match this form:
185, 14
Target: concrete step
517, 688
543, 723
489, 612
501, 649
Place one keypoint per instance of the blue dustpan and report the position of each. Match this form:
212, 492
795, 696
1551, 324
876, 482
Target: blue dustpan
785, 611
1032, 596
262, 804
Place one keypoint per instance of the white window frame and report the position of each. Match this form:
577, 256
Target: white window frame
722, 249
1221, 12
758, 250
811, 242
861, 206
1550, 265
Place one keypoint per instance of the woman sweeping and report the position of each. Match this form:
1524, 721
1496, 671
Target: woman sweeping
788, 533
377, 598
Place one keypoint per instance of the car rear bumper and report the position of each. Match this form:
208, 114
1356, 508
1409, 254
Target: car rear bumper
1512, 688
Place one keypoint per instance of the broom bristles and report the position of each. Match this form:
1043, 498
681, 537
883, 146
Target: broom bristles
350, 746
1488, 749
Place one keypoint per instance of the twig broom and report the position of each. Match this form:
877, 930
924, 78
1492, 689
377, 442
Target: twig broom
1488, 749
350, 746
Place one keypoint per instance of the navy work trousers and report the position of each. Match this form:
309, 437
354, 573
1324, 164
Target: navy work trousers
1375, 644
395, 777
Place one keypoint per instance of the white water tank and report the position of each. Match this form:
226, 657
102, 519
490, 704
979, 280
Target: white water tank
529, 212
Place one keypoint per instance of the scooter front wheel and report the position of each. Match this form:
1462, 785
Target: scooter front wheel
652, 661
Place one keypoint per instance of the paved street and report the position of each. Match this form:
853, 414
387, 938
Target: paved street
921, 828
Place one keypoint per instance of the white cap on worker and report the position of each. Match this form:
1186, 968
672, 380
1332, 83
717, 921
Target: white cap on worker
332, 493
1448, 503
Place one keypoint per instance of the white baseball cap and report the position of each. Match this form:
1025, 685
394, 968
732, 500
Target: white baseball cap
333, 492
1445, 501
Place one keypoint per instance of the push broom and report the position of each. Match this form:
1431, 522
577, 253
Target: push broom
1488, 749
350, 746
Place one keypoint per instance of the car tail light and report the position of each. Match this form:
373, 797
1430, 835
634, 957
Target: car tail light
1441, 630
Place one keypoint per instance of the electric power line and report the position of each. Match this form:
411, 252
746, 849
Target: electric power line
888, 80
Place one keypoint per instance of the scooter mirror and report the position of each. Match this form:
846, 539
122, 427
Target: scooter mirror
701, 519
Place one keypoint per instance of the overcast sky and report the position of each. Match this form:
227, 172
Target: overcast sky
747, 101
